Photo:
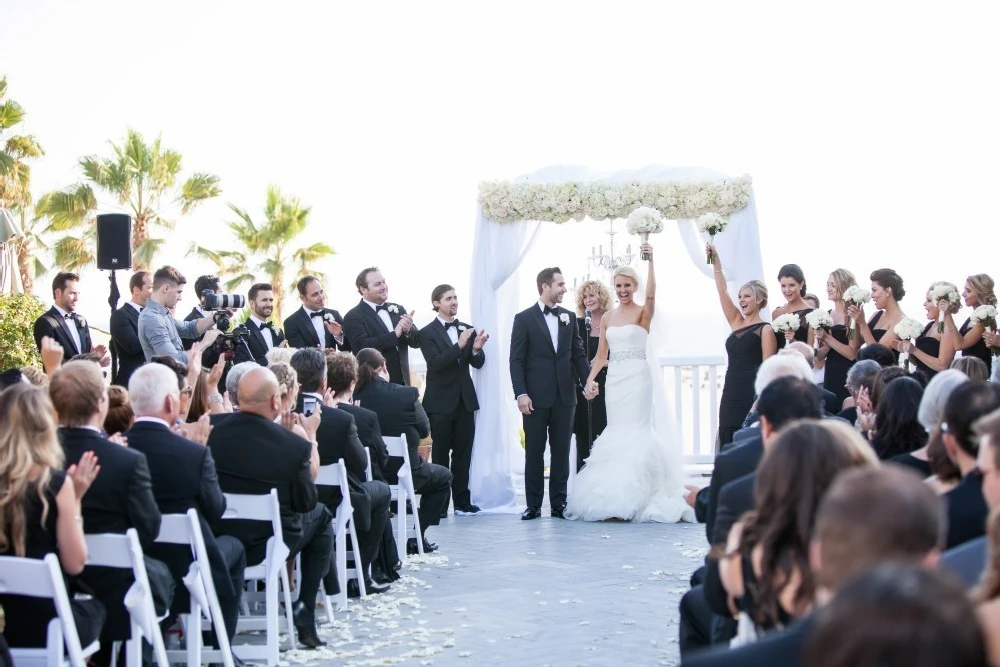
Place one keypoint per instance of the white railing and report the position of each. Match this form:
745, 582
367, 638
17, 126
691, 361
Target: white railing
693, 387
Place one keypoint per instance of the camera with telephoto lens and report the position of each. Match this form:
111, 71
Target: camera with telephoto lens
227, 341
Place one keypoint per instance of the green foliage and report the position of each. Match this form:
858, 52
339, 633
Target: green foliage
17, 319
16, 151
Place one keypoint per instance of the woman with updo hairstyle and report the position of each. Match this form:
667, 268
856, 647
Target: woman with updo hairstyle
931, 352
793, 288
594, 296
751, 342
887, 290
120, 415
973, 340
835, 352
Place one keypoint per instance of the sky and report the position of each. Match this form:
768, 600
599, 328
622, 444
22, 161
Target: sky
870, 129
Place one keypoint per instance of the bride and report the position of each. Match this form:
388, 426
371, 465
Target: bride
631, 474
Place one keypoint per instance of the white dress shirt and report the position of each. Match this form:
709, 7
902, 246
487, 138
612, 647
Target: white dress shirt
451, 331
318, 325
382, 315
137, 307
73, 331
266, 331
552, 322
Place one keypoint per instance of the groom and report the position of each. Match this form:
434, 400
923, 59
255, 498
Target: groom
546, 351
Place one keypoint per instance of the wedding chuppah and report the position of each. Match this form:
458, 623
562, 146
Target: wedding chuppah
509, 216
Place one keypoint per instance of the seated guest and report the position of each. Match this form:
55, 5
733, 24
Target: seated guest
867, 402
288, 381
35, 376
878, 353
120, 498
830, 401
868, 516
983, 551
860, 376
232, 390
966, 506
120, 415
184, 477
928, 415
279, 355
897, 431
400, 413
40, 512
253, 455
338, 439
974, 367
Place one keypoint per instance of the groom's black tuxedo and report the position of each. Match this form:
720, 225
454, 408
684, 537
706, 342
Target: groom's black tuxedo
301, 333
545, 373
364, 328
53, 324
257, 344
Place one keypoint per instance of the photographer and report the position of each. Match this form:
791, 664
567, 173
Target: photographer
159, 332
201, 284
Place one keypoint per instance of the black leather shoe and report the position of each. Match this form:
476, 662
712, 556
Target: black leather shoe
371, 588
443, 515
531, 513
411, 547
305, 626
559, 512
467, 510
380, 577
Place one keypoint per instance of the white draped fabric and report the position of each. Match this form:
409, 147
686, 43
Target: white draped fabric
498, 251
10, 277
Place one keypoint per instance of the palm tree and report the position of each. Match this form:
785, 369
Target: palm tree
142, 180
29, 246
15, 174
270, 243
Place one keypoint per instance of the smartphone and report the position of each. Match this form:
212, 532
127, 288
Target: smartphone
309, 405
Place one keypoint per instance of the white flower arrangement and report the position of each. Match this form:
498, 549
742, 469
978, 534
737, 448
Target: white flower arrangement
393, 308
908, 329
507, 202
461, 328
816, 320
787, 322
985, 315
564, 318
712, 224
642, 222
858, 296
81, 321
944, 291
328, 317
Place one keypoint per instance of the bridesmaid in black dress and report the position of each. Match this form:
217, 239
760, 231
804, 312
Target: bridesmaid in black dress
793, 288
751, 342
972, 339
835, 351
931, 352
594, 296
887, 290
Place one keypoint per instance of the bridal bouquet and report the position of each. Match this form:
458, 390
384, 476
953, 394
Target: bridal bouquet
642, 222
818, 319
856, 296
789, 322
943, 291
712, 224
987, 316
908, 329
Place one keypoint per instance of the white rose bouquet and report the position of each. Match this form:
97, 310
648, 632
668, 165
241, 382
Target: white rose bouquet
908, 329
644, 221
987, 316
786, 324
947, 293
712, 224
818, 319
856, 296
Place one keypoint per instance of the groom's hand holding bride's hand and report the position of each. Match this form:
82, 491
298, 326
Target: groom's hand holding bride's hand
591, 391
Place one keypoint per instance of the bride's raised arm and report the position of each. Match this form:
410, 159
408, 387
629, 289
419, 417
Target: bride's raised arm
600, 359
649, 306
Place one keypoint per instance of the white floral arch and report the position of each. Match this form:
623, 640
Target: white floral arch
507, 224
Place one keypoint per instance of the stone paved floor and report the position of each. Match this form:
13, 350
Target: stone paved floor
508, 592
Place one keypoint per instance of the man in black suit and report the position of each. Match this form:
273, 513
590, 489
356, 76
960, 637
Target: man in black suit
62, 323
201, 284
381, 325
546, 352
450, 348
184, 477
338, 439
125, 329
120, 498
263, 334
400, 413
315, 325
831, 403
253, 455
868, 517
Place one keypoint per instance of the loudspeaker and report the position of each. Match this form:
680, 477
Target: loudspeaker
114, 241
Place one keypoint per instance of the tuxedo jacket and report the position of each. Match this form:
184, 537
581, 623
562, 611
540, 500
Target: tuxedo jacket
370, 435
254, 455
301, 333
125, 343
448, 385
735, 499
257, 344
53, 325
399, 413
338, 439
545, 374
735, 461
777, 648
364, 328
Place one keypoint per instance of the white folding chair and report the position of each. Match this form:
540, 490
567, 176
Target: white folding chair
272, 570
335, 474
368, 470
125, 552
400, 491
43, 579
186, 529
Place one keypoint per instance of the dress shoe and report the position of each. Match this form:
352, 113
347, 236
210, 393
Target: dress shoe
443, 515
305, 626
559, 512
531, 513
467, 510
371, 588
411, 547
380, 577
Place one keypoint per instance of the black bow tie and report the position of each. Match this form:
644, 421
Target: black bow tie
74, 317
382, 306
267, 325
319, 314
453, 323
548, 311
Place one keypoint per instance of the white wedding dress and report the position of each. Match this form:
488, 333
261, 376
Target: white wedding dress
632, 474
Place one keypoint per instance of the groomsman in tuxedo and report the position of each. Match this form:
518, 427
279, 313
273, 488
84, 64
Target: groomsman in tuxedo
315, 325
546, 351
450, 348
379, 324
200, 285
263, 335
125, 328
62, 323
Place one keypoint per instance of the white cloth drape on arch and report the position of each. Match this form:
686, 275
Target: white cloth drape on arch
497, 253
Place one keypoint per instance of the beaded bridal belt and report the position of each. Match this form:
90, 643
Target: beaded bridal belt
627, 354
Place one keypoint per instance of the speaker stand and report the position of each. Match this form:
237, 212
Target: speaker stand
113, 302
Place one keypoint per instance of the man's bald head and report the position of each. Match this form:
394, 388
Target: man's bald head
259, 393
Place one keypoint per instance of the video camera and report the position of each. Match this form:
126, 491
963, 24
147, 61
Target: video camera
227, 341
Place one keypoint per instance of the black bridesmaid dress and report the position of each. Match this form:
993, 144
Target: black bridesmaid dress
801, 334
877, 334
979, 350
837, 365
745, 357
928, 345
598, 408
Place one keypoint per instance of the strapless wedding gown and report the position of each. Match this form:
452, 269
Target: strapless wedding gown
628, 475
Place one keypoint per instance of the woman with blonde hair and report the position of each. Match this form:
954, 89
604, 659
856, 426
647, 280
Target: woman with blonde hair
835, 352
593, 297
973, 340
40, 511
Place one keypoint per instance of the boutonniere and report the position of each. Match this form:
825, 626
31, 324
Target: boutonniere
394, 309
461, 328
82, 321
564, 318
328, 317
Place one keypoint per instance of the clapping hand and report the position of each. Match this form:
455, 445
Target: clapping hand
103, 351
463, 338
197, 431
118, 439
407, 321
480, 340
216, 373
83, 473
52, 355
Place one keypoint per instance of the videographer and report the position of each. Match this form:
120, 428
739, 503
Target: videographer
159, 332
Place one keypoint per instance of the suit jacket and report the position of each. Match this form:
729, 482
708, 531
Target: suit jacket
735, 499
967, 511
125, 343
53, 324
735, 462
448, 383
338, 439
301, 334
370, 435
257, 344
254, 455
545, 374
364, 328
399, 413
779, 648
831, 404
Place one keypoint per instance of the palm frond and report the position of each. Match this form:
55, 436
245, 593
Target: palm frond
198, 188
23, 146
11, 113
40, 269
72, 253
67, 209
146, 251
313, 253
